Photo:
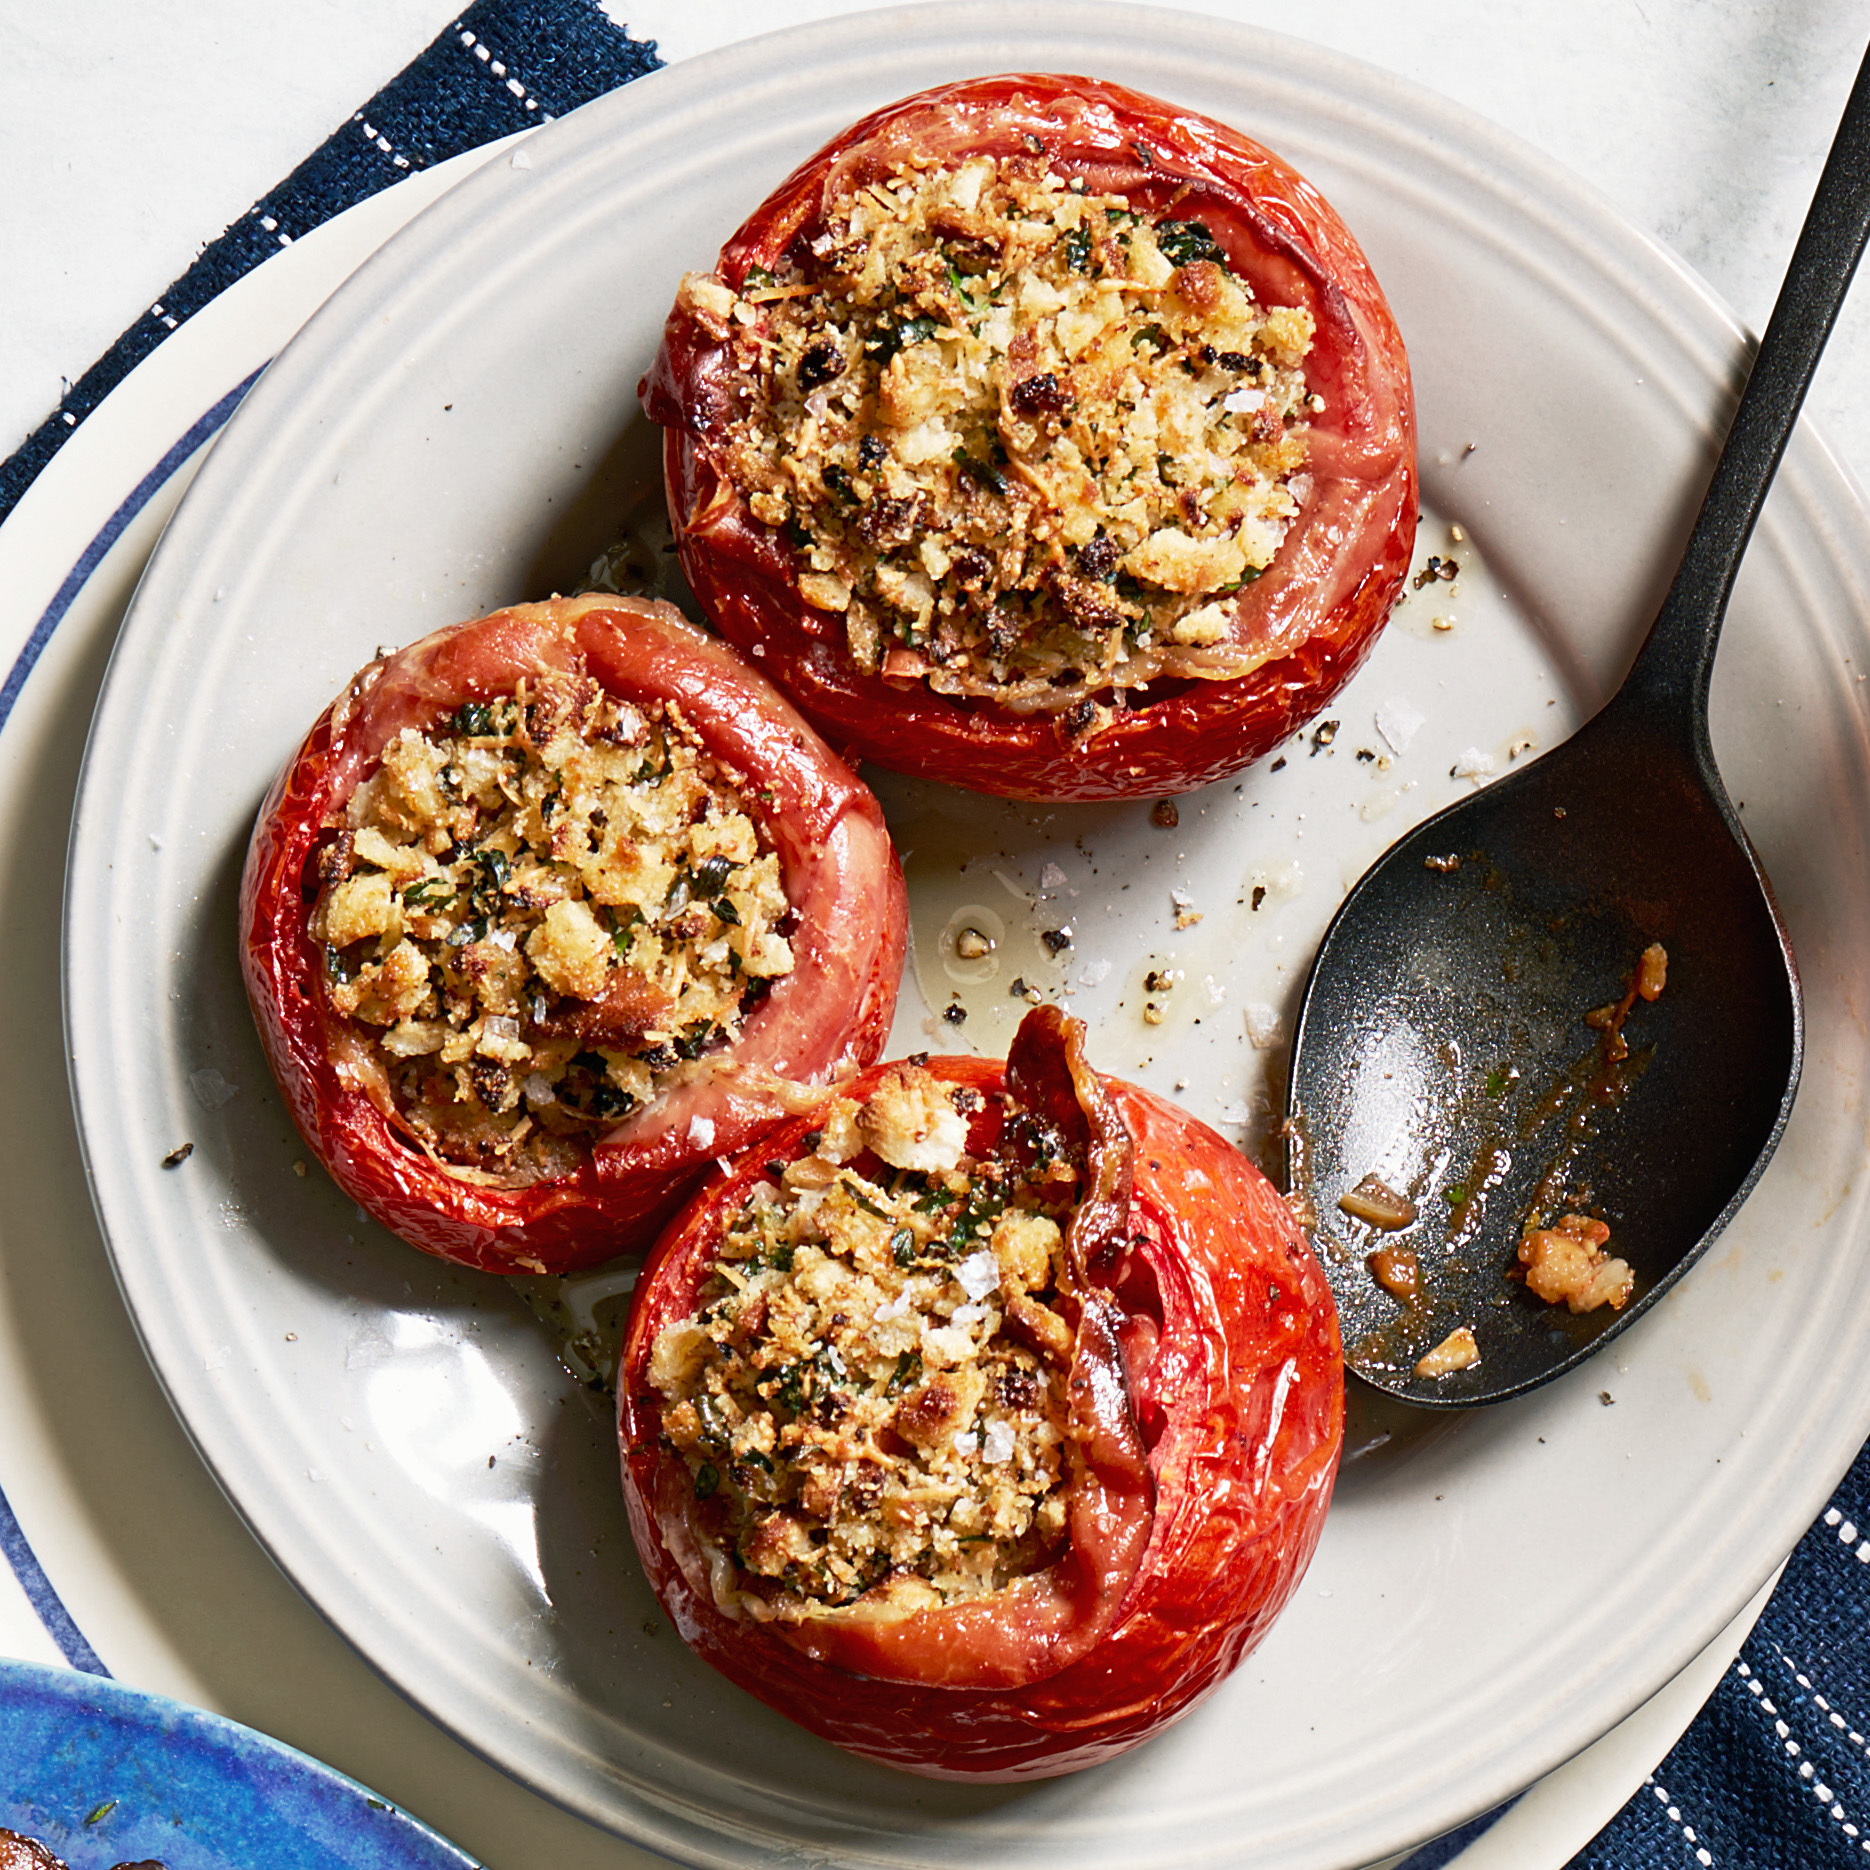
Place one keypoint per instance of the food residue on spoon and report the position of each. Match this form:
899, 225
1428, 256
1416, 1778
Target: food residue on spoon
1398, 1272
1457, 1351
1567, 1263
1647, 983
1564, 1261
1373, 1200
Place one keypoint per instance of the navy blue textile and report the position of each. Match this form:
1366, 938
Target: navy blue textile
502, 66
1775, 1772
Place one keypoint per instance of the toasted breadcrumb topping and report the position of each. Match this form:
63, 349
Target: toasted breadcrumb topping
870, 1395
537, 911
1028, 443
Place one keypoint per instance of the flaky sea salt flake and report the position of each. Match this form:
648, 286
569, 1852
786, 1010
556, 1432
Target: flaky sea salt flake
1398, 721
210, 1088
978, 1274
1264, 1025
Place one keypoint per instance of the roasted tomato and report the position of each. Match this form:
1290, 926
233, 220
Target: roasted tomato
549, 911
982, 1420
1043, 438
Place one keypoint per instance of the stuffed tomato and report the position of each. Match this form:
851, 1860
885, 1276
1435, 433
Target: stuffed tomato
550, 910
1043, 438
982, 1420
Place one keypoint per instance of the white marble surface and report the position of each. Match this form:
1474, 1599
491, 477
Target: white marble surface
125, 147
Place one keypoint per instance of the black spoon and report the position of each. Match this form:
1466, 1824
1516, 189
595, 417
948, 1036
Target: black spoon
1443, 1049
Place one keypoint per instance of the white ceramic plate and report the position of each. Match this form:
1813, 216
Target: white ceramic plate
124, 1454
458, 429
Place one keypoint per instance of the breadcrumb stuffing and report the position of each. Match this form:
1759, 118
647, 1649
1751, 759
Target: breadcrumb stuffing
870, 1395
1026, 441
536, 911
910, 1122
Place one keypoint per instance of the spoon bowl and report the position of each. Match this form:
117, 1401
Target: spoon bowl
1444, 1047
1472, 1046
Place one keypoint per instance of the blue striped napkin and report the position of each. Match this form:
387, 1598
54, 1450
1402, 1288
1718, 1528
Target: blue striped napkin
1775, 1772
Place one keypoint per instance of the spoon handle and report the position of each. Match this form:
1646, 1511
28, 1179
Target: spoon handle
1673, 667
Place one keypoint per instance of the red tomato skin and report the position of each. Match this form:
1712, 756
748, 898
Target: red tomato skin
1242, 1408
827, 1019
1320, 605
